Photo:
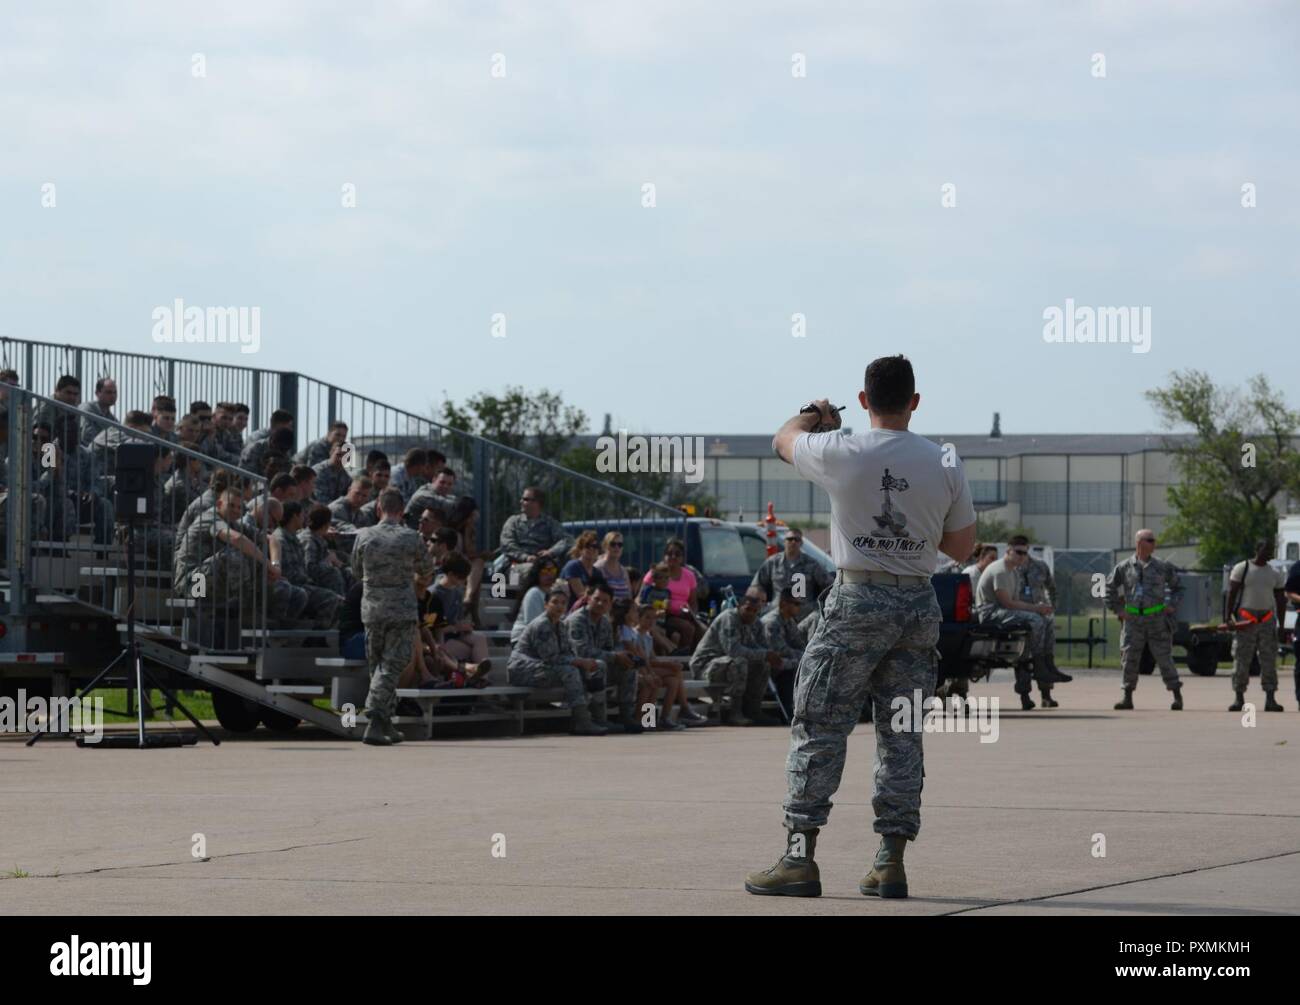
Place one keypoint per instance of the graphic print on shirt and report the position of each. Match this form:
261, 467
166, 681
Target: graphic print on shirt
892, 535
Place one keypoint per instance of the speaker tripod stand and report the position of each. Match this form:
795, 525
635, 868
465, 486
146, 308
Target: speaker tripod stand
143, 679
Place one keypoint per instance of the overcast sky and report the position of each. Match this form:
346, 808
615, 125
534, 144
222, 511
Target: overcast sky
522, 194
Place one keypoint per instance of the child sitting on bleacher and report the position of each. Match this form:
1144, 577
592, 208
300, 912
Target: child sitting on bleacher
658, 596
637, 635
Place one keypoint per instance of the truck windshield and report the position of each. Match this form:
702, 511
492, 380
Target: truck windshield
722, 552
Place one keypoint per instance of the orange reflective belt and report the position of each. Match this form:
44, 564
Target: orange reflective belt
1252, 619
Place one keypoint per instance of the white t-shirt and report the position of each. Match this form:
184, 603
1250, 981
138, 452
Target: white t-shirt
1261, 581
892, 497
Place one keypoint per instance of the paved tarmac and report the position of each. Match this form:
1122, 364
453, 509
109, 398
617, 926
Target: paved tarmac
1199, 815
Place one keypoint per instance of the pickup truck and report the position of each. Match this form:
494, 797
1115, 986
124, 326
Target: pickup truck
727, 553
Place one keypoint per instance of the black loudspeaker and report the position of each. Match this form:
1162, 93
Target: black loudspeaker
133, 484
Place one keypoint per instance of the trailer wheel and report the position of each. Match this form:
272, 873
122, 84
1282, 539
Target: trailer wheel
1203, 660
278, 722
236, 714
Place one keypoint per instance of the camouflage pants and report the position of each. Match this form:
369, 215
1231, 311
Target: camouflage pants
1034, 623
389, 648
1154, 631
563, 675
1035, 667
736, 674
877, 641
287, 602
321, 604
1258, 639
624, 679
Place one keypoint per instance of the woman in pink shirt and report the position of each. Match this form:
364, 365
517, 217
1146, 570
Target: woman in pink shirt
681, 585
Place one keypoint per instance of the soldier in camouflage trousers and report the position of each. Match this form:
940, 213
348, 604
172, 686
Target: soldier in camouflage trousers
543, 657
591, 634
734, 653
286, 601
219, 566
1038, 587
1256, 612
531, 534
387, 559
322, 604
1143, 591
321, 568
873, 641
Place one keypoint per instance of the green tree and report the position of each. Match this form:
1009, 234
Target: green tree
538, 423
992, 530
1235, 465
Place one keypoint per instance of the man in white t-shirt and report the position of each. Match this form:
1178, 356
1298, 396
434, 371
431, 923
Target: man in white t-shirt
897, 501
987, 555
1257, 587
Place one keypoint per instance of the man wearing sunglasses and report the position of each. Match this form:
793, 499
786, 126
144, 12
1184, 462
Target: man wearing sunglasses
1001, 599
1143, 592
791, 569
531, 534
1038, 587
897, 501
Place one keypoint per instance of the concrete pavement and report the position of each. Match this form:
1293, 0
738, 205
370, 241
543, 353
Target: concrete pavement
1199, 815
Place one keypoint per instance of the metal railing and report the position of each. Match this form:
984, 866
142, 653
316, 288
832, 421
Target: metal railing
63, 540
492, 473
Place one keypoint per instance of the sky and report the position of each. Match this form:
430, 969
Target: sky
499, 155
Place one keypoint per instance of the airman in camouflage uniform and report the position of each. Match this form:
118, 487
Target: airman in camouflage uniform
530, 533
320, 570
425, 498
322, 604
880, 620
343, 512
544, 657
332, 479
319, 450
285, 600
227, 561
1038, 587
791, 568
1143, 591
735, 654
591, 635
1257, 611
386, 559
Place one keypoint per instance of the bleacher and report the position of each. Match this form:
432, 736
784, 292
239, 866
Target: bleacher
67, 597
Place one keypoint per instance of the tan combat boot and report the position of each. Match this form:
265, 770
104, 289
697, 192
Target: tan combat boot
887, 878
795, 873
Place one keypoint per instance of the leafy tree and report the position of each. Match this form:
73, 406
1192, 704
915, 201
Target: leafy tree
541, 425
538, 423
991, 529
1237, 463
